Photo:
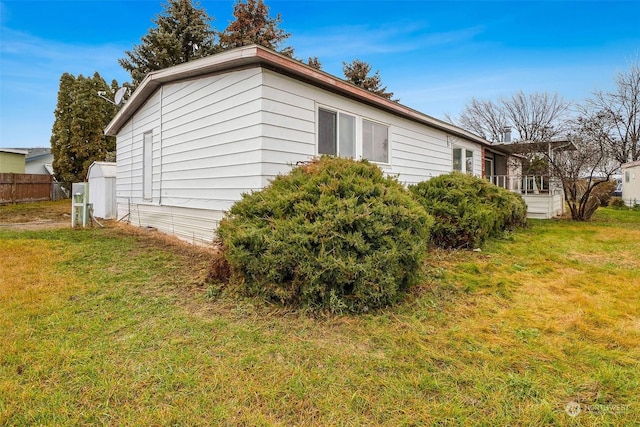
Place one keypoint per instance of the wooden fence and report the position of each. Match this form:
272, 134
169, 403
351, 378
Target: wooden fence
22, 187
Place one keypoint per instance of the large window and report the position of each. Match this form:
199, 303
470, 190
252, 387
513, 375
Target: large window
147, 171
338, 133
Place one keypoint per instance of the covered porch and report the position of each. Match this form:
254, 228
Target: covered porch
542, 194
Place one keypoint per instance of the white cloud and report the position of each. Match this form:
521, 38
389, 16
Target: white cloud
362, 40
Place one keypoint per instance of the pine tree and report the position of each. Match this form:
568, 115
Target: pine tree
77, 138
253, 25
61, 132
182, 33
314, 62
357, 72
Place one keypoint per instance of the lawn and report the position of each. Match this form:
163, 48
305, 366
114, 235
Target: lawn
116, 326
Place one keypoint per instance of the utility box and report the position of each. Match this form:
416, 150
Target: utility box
80, 204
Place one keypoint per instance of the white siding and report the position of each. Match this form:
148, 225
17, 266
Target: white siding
206, 153
417, 152
211, 140
196, 226
129, 148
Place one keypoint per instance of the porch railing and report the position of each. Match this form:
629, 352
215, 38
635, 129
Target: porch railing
528, 184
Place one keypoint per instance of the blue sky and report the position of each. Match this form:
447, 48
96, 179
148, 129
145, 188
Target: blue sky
434, 55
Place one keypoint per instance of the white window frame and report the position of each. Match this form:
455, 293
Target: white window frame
464, 152
359, 120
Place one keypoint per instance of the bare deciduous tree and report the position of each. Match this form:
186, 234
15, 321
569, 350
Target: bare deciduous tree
484, 118
620, 111
584, 168
535, 117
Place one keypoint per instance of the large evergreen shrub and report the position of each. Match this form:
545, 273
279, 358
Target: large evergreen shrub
467, 210
332, 234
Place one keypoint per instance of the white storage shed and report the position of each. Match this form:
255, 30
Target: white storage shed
102, 189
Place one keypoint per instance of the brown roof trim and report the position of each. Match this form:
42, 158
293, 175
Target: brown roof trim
259, 56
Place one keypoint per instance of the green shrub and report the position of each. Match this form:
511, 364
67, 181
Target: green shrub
332, 234
618, 203
467, 210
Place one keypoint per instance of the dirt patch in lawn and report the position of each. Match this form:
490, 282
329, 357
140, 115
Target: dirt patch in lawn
32, 226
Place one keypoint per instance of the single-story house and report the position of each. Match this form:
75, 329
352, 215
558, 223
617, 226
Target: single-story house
39, 161
192, 138
12, 160
631, 183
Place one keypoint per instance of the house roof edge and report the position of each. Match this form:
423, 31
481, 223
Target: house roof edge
261, 56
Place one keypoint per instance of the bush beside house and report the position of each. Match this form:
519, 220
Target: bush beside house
333, 234
336, 234
468, 210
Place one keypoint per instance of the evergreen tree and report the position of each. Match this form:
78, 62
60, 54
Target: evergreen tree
357, 72
182, 33
77, 137
314, 62
253, 25
61, 132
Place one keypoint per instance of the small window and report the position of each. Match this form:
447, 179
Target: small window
147, 171
627, 176
457, 159
469, 162
347, 135
327, 126
336, 133
375, 142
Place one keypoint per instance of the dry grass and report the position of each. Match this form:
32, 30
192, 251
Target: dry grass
39, 212
116, 326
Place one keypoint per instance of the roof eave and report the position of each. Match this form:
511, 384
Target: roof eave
259, 56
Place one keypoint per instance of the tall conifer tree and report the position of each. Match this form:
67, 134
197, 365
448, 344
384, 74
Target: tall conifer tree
77, 137
253, 25
182, 33
357, 72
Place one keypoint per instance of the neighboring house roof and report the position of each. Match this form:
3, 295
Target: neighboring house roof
35, 153
14, 151
251, 56
520, 147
